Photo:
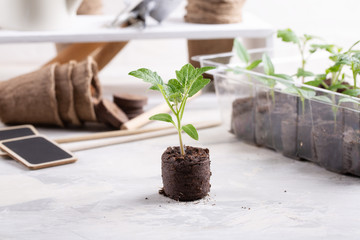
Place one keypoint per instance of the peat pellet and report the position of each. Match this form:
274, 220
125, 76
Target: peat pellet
186, 178
133, 111
107, 112
129, 101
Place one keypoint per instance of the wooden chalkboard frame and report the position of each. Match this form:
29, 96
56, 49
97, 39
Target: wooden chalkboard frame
31, 166
31, 127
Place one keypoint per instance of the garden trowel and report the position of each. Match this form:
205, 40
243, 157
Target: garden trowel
137, 13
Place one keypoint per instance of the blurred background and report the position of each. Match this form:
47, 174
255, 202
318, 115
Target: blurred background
335, 21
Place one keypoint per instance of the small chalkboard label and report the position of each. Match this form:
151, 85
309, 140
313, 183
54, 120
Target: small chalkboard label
16, 132
36, 152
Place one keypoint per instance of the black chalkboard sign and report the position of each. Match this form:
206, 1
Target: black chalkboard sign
15, 132
36, 152
18, 131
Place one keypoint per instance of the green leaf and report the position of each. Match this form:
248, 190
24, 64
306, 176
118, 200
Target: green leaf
154, 87
287, 35
254, 64
302, 73
201, 71
175, 97
314, 83
199, 84
188, 74
162, 117
310, 37
148, 76
344, 100
327, 47
175, 86
291, 89
191, 131
306, 93
337, 86
322, 99
321, 77
267, 81
241, 51
185, 74
352, 92
283, 76
334, 68
268, 66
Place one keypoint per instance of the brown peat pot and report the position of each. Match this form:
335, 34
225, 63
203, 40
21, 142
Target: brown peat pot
186, 178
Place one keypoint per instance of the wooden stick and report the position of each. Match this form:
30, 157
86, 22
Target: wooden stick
103, 52
107, 53
161, 133
75, 51
129, 128
143, 119
109, 134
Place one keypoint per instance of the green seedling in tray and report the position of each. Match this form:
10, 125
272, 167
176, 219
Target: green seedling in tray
176, 92
306, 51
267, 64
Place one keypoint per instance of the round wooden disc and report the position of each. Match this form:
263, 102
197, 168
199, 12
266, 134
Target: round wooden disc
129, 101
109, 113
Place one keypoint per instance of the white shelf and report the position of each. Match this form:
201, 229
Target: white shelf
93, 29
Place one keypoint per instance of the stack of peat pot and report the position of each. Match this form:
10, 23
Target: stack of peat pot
60, 95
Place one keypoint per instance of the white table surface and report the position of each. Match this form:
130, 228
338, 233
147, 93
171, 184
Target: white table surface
111, 193
93, 29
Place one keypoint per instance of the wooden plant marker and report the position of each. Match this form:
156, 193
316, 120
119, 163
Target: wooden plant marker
16, 132
36, 152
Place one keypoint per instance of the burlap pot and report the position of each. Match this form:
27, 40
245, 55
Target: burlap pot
194, 7
90, 7
87, 90
64, 94
30, 99
214, 12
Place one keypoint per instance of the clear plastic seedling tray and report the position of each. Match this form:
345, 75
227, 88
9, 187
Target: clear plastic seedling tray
297, 120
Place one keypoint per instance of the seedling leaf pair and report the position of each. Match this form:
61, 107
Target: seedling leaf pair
188, 82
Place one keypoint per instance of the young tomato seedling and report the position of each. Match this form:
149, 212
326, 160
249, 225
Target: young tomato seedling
287, 35
188, 82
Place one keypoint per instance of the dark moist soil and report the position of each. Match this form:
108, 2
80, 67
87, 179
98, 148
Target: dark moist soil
263, 131
242, 119
289, 137
328, 146
351, 151
350, 116
284, 108
305, 147
186, 178
340, 90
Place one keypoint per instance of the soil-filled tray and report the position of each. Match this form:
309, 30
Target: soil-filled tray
320, 126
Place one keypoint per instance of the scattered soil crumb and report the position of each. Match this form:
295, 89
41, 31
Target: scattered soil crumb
285, 191
146, 198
